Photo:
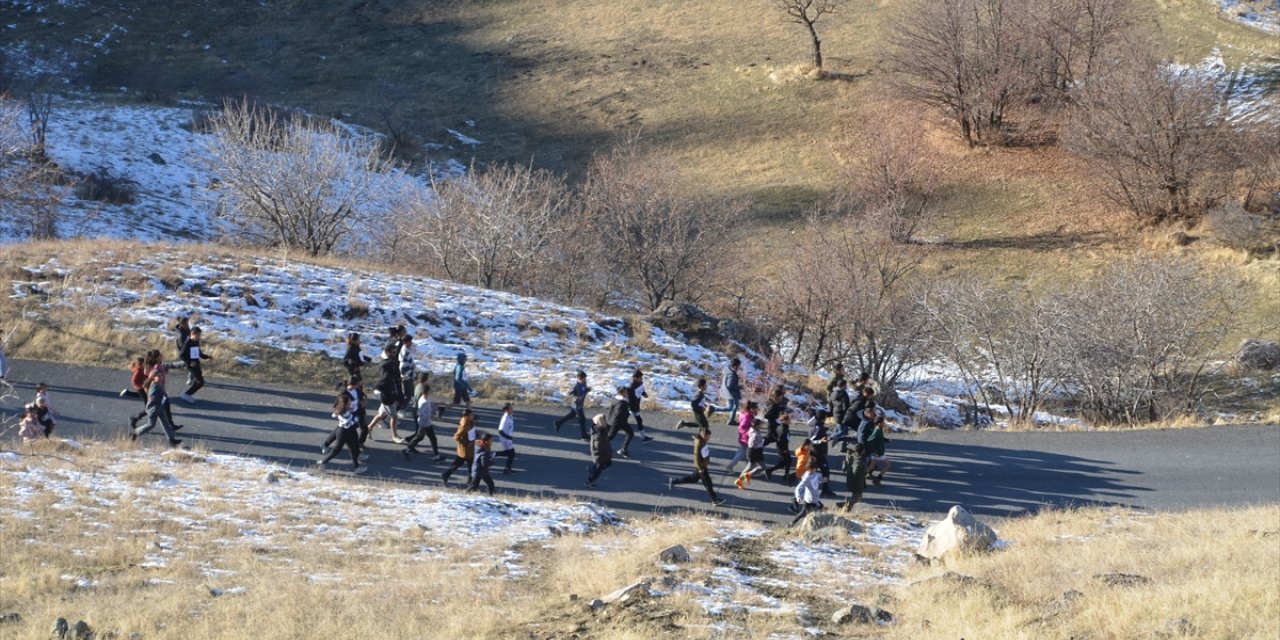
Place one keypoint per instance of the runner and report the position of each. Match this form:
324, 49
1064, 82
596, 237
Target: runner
701, 466
462, 390
635, 392
619, 412
755, 454
465, 439
346, 433
45, 414
601, 447
745, 422
353, 360
191, 356
481, 464
506, 437
388, 393
701, 409
423, 411
731, 387
577, 410
29, 428
783, 447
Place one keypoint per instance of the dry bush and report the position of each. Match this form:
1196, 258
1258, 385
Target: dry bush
291, 182
1233, 227
892, 172
101, 185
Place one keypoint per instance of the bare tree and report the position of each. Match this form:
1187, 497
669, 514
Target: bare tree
1072, 37
807, 13
654, 233
1157, 137
891, 171
489, 228
965, 57
291, 181
1136, 340
31, 187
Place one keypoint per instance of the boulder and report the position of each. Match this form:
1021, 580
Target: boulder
959, 532
10, 618
820, 526
628, 594
859, 614
675, 554
81, 631
1259, 354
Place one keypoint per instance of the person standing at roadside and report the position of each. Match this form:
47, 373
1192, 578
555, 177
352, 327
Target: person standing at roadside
731, 386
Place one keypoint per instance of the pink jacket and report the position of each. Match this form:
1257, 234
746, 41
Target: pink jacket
745, 421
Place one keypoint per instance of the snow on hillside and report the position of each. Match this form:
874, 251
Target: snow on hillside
536, 345
1259, 14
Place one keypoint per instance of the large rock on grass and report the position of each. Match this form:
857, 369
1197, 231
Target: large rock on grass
959, 533
1259, 354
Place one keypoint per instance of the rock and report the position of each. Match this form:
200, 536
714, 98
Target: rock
573, 597
596, 604
11, 618
675, 554
1259, 354
1123, 579
1181, 627
959, 532
81, 631
856, 613
818, 527
628, 594
60, 628
156, 158
1065, 602
271, 478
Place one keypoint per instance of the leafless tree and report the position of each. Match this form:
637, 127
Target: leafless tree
1072, 37
290, 181
1136, 340
489, 228
1000, 341
965, 57
1157, 138
31, 189
807, 13
890, 170
655, 234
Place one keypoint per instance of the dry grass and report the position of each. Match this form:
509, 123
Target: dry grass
1213, 574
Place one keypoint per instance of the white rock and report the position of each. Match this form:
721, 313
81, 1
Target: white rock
959, 531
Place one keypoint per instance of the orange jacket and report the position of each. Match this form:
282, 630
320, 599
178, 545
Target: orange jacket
464, 436
803, 458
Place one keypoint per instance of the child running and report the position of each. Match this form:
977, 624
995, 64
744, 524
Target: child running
29, 428
462, 390
422, 419
192, 356
601, 448
506, 436
482, 463
755, 454
783, 447
701, 466
745, 422
45, 414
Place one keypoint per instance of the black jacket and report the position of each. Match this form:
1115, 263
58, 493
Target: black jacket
389, 380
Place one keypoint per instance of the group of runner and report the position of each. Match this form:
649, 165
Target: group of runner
405, 394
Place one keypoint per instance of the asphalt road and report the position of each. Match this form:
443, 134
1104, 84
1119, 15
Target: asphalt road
990, 473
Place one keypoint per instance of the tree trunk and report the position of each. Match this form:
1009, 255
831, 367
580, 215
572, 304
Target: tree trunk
817, 46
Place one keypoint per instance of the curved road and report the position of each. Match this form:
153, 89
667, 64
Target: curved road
991, 473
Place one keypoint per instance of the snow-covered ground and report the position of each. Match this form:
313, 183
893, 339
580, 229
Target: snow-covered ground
1259, 14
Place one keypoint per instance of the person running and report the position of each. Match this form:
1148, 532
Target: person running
45, 414
465, 441
852, 419
839, 402
354, 390
821, 439
482, 463
783, 445
506, 436
701, 465
137, 376
774, 407
353, 360
807, 496
601, 447
408, 367
745, 422
837, 382
855, 474
619, 413
877, 461
157, 403
635, 393
182, 332
156, 373
731, 387
346, 433
388, 392
422, 419
462, 390
806, 474
701, 408
29, 428
579, 395
756, 439
192, 355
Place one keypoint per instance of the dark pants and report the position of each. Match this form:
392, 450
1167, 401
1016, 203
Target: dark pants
196, 374
805, 510
575, 412
784, 458
698, 476
481, 475
699, 421
345, 438
424, 431
510, 455
156, 413
593, 472
626, 442
457, 463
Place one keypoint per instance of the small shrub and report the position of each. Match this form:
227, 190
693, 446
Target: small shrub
104, 186
1233, 227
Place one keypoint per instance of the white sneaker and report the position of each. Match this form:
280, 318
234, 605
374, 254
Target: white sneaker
360, 469
320, 463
